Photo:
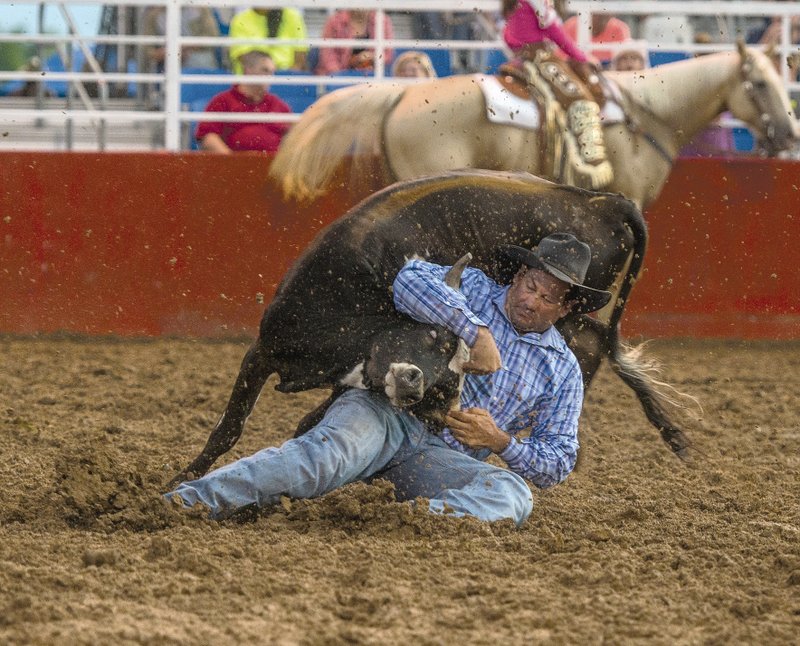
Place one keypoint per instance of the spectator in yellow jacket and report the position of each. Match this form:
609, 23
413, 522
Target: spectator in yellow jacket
287, 24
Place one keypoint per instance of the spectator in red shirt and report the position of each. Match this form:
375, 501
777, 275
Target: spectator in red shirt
227, 136
604, 29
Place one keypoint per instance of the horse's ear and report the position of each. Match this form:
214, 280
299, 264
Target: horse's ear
771, 50
741, 47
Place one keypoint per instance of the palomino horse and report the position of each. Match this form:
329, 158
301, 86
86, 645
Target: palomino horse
441, 125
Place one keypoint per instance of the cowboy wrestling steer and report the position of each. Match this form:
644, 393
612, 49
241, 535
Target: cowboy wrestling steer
335, 303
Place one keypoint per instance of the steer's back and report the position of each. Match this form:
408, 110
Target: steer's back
338, 293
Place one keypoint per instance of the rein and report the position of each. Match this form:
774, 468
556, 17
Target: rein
756, 98
752, 92
635, 128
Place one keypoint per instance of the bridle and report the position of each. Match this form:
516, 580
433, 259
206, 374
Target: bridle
754, 91
755, 94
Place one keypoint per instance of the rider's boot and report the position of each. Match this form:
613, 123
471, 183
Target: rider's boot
583, 118
584, 122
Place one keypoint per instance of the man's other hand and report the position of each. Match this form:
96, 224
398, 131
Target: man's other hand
484, 357
475, 428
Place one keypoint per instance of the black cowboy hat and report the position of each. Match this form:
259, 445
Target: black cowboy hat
564, 256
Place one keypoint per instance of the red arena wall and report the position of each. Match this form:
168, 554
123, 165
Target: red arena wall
194, 245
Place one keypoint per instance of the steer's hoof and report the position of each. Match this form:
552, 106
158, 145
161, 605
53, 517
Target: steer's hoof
677, 441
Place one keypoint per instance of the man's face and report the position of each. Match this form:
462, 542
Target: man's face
536, 300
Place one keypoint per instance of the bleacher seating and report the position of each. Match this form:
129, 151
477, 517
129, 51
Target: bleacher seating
662, 57
192, 92
494, 59
298, 97
53, 63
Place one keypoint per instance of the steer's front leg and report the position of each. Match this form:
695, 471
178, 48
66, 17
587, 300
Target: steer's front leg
253, 374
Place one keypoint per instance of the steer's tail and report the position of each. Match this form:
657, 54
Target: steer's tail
629, 362
348, 121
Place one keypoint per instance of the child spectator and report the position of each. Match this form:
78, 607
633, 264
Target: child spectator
226, 136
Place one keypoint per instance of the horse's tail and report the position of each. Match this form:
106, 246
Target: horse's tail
636, 370
348, 121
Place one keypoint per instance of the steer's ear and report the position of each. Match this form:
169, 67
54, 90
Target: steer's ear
453, 276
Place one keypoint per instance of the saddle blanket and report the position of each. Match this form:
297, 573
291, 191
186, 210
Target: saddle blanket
506, 108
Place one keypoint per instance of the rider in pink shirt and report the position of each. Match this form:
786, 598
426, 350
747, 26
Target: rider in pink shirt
532, 27
536, 21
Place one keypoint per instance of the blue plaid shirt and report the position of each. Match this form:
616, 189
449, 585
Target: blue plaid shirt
539, 387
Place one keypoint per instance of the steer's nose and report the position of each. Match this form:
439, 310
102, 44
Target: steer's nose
405, 384
410, 378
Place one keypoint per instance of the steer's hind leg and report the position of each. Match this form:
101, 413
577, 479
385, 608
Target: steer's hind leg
252, 376
652, 394
591, 340
588, 340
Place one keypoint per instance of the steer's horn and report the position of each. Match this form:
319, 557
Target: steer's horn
453, 276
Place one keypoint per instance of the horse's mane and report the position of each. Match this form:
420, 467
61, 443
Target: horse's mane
658, 87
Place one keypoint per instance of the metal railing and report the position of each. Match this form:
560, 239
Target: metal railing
172, 115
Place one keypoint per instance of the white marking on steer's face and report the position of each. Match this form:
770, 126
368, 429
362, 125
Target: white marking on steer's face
391, 387
457, 365
460, 357
416, 256
355, 378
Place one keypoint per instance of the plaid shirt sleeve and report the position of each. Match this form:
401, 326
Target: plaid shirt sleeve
421, 293
548, 455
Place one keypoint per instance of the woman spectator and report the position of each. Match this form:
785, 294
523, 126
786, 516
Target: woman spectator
352, 24
631, 59
413, 64
604, 28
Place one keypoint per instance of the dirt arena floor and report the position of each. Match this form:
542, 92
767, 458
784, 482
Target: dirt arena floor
635, 547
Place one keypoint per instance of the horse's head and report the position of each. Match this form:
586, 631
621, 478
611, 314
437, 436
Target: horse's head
761, 101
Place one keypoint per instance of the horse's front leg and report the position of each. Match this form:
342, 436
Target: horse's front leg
253, 374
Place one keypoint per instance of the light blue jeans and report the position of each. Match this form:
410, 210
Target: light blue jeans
363, 437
